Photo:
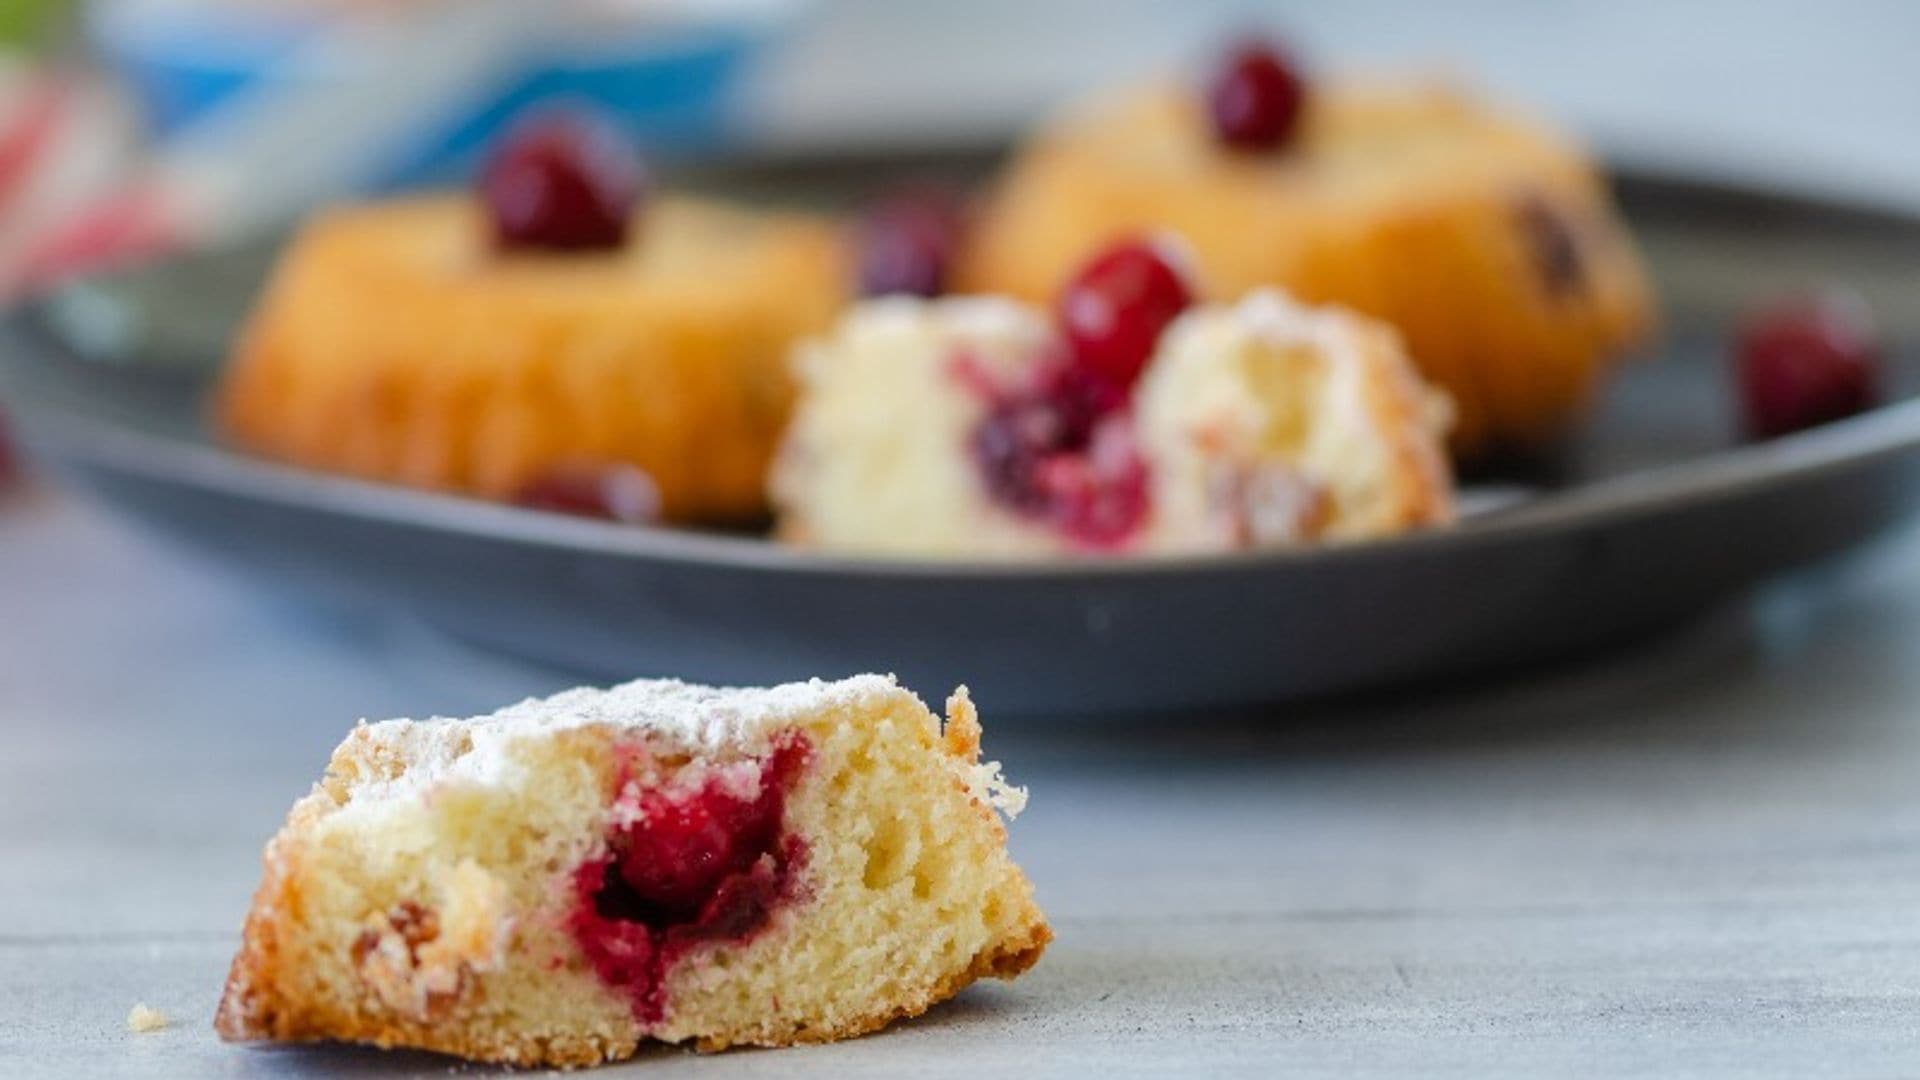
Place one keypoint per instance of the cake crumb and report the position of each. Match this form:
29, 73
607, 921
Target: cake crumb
143, 1020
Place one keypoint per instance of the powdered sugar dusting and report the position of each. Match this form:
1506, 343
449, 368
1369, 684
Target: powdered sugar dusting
672, 715
688, 716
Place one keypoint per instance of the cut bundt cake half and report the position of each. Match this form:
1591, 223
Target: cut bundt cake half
966, 427
561, 881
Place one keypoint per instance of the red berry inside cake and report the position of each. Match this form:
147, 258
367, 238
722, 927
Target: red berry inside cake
1129, 422
560, 881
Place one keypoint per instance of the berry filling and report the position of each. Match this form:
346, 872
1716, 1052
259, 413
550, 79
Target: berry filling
1060, 448
562, 183
907, 244
1061, 451
1807, 360
1256, 99
623, 493
687, 866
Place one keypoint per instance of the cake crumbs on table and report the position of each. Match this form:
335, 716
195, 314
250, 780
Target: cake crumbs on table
143, 1020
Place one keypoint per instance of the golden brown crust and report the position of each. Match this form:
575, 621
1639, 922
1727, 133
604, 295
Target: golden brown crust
1413, 205
392, 344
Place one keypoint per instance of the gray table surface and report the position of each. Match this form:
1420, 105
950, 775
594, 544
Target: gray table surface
1697, 857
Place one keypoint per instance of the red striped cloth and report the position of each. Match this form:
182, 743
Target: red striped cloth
70, 200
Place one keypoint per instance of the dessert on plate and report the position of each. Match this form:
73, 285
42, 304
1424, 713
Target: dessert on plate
1129, 420
1488, 239
562, 880
559, 322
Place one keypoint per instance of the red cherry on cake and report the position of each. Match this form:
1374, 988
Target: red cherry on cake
612, 492
1113, 311
1806, 360
907, 244
1256, 98
562, 183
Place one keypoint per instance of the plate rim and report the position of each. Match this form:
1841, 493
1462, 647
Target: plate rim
69, 436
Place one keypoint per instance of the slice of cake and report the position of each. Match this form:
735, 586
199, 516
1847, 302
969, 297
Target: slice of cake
562, 880
1128, 422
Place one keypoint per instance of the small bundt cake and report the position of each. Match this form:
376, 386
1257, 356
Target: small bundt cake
562, 880
395, 342
973, 426
1488, 240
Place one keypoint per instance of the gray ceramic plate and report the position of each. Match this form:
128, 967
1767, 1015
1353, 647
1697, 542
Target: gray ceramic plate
1652, 512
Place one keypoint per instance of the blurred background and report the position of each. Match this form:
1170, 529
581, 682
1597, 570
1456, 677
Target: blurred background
129, 125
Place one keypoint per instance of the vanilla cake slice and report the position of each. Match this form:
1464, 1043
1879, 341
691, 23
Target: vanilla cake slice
567, 878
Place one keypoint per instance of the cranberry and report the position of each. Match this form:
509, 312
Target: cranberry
907, 244
622, 493
1061, 452
687, 846
562, 183
1806, 360
1114, 309
1098, 498
1256, 98
1056, 416
688, 867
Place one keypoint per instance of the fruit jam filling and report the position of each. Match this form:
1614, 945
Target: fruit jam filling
687, 864
1060, 449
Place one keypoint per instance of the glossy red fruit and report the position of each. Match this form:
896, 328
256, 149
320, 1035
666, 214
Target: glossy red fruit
1114, 309
612, 492
689, 845
562, 183
907, 244
1256, 98
684, 868
1807, 360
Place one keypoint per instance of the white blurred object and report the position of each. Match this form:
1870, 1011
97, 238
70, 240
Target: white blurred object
65, 142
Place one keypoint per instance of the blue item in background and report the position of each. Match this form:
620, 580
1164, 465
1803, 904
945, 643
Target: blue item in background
670, 83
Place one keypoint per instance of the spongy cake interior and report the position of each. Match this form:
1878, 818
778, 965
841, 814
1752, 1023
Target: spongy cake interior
475, 828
